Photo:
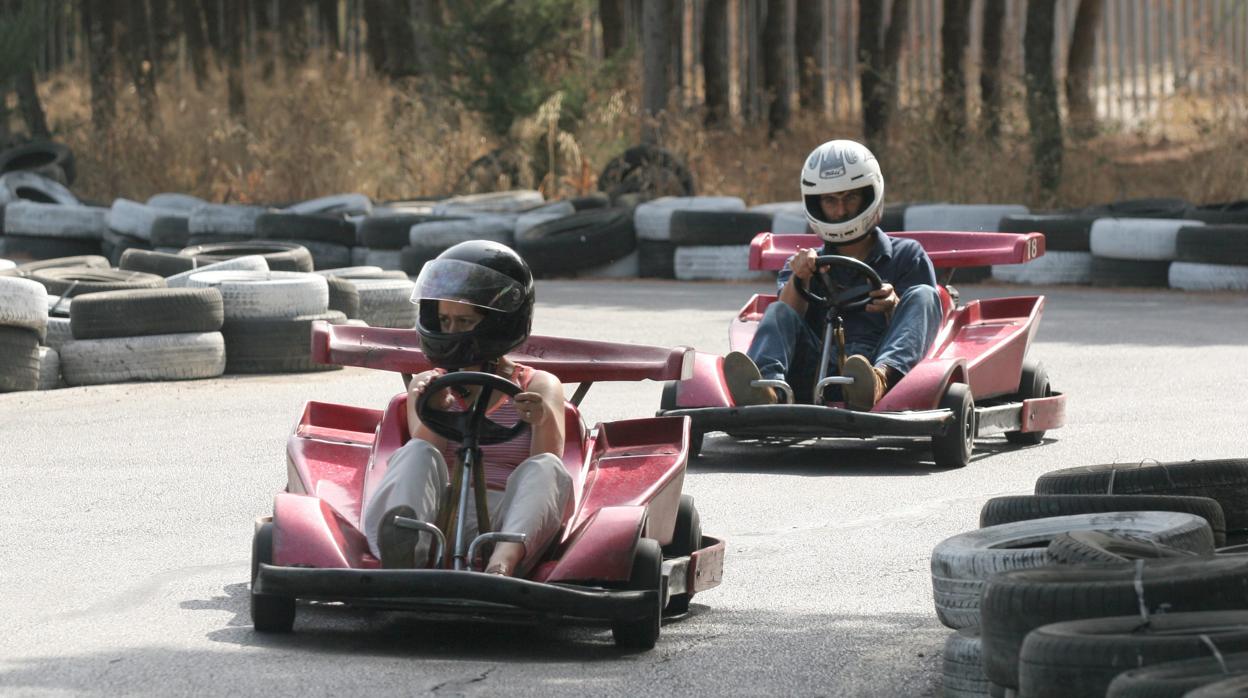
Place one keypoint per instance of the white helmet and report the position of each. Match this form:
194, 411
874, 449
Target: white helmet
839, 166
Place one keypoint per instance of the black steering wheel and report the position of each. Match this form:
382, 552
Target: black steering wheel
839, 297
463, 426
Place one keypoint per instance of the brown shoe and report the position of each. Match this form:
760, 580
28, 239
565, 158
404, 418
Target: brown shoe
869, 386
740, 372
396, 544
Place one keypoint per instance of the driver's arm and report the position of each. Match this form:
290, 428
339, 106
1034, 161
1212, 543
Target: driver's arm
415, 428
547, 425
800, 266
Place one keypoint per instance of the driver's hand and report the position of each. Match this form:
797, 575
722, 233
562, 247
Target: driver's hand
803, 263
420, 381
885, 299
531, 407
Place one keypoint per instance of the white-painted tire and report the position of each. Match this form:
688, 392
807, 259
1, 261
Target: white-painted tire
384, 259
362, 271
961, 564
1194, 276
7, 264
135, 219
183, 203
626, 267
224, 219
266, 294
444, 234
715, 262
982, 218
24, 303
155, 357
347, 204
796, 208
513, 201
1051, 268
49, 369
653, 219
59, 332
252, 262
29, 186
542, 214
386, 302
55, 220
1137, 239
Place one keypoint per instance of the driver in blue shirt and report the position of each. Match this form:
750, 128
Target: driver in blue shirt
843, 191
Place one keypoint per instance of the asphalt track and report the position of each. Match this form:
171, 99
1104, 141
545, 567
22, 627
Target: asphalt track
126, 514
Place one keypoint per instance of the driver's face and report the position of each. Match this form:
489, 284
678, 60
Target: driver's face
455, 317
841, 206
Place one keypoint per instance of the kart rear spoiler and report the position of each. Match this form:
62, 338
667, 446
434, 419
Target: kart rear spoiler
769, 252
570, 360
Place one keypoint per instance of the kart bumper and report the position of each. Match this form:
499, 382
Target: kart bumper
813, 420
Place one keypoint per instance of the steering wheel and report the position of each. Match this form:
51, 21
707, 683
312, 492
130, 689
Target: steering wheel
843, 299
457, 426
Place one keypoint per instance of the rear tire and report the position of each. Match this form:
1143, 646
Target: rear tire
647, 575
1034, 383
686, 540
953, 450
270, 613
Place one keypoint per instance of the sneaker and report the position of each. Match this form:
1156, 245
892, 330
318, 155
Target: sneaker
396, 544
740, 372
869, 386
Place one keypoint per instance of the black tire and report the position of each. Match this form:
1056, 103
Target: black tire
326, 255
1082, 657
953, 449
52, 160
152, 262
656, 259
647, 575
893, 220
1108, 547
1227, 212
1062, 232
115, 244
580, 241
269, 613
1141, 208
413, 259
392, 232
686, 540
280, 256
19, 359
170, 231
1032, 383
1224, 480
1014, 603
589, 201
963, 665
296, 226
646, 170
999, 510
1175, 679
272, 345
77, 281
148, 311
18, 247
692, 227
1129, 273
343, 296
1213, 244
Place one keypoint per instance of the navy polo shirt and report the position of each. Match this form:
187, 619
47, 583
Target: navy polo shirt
901, 262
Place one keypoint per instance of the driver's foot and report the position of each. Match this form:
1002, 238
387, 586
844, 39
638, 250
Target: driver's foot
396, 544
740, 374
870, 383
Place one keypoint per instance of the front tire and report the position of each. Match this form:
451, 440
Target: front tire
686, 540
647, 575
953, 449
270, 613
1033, 383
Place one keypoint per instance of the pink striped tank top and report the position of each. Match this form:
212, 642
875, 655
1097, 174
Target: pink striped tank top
500, 459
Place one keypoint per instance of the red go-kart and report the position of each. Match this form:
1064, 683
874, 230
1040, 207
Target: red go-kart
975, 379
630, 550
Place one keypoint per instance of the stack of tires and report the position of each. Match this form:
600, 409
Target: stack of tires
381, 298
1135, 252
1067, 255
1105, 568
1211, 258
23, 327
960, 217
696, 238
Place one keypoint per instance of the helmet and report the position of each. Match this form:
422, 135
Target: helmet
484, 274
840, 166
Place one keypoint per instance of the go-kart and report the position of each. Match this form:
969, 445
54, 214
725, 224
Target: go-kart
975, 379
630, 550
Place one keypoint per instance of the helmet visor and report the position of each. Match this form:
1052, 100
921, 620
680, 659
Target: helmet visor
465, 282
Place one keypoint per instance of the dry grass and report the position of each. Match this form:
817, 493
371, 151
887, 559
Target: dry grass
324, 131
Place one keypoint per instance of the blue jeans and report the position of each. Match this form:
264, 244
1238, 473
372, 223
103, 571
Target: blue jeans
786, 348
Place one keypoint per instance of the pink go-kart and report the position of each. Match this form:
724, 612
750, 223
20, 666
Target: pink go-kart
975, 380
630, 550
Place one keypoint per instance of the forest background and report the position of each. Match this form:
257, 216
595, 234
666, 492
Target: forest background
270, 101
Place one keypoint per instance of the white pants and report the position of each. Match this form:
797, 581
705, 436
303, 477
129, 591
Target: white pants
538, 492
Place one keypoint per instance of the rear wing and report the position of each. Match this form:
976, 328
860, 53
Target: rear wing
769, 252
570, 360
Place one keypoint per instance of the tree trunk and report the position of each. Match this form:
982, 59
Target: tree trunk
214, 20
1079, 69
777, 47
655, 44
1042, 112
266, 49
328, 11
139, 59
715, 46
97, 20
612, 14
809, 31
870, 78
193, 26
954, 34
990, 70
894, 39
163, 34
233, 37
375, 22
29, 104
293, 29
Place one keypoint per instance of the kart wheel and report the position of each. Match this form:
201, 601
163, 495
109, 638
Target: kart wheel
686, 540
642, 633
953, 450
269, 613
1034, 383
